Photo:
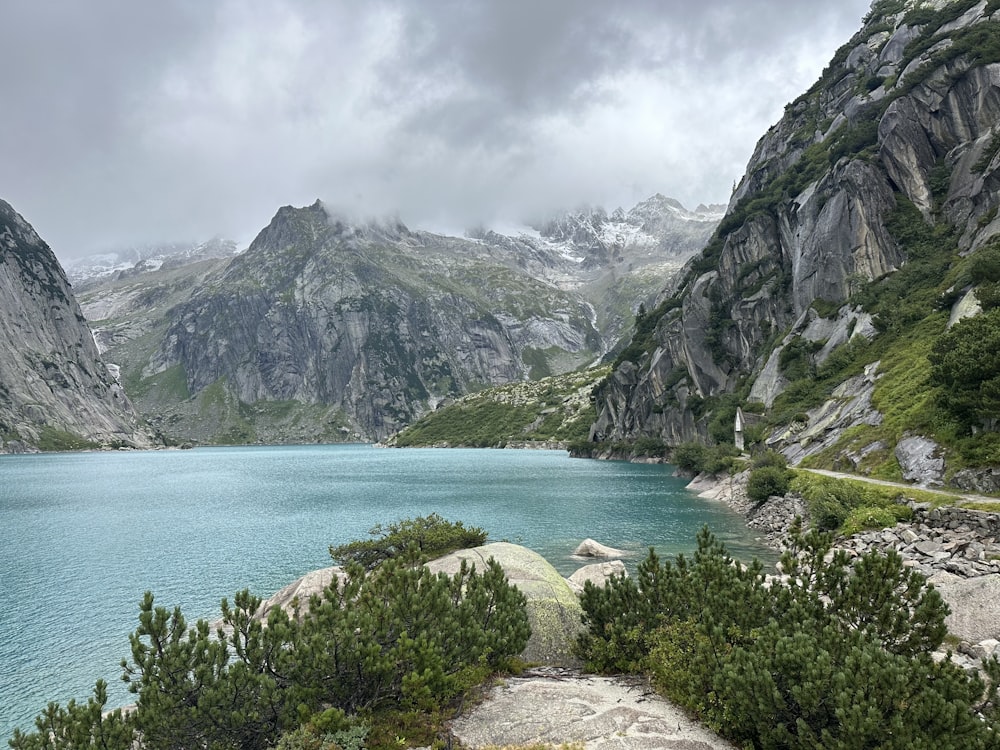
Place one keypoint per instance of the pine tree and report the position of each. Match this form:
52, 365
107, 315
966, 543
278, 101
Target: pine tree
834, 655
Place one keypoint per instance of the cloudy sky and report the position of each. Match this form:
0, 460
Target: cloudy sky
126, 122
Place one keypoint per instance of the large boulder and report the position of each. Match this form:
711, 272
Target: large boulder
590, 548
554, 611
973, 602
598, 574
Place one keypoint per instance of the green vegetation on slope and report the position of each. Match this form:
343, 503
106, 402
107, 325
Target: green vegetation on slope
54, 439
948, 401
380, 660
552, 410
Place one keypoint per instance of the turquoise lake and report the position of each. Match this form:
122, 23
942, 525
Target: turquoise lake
83, 535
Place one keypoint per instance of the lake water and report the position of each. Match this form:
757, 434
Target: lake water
83, 535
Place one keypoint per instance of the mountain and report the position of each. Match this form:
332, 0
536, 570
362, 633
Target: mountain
55, 391
825, 298
329, 328
132, 261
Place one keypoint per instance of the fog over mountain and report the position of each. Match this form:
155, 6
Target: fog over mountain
131, 124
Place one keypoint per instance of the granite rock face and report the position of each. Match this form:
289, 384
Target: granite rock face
352, 329
806, 226
55, 390
554, 708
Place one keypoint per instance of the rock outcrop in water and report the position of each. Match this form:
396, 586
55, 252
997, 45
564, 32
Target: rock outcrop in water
55, 391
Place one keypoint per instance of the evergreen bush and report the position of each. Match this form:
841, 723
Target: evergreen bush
393, 640
432, 536
835, 655
768, 481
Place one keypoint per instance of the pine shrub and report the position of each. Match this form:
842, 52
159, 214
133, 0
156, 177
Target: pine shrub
432, 536
768, 481
395, 639
835, 655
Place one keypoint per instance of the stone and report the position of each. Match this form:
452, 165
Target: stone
554, 610
985, 649
300, 590
590, 548
598, 713
921, 460
598, 574
973, 601
927, 548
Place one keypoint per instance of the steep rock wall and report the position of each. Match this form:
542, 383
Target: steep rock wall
902, 110
54, 389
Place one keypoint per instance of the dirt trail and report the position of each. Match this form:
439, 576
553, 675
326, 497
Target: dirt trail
947, 493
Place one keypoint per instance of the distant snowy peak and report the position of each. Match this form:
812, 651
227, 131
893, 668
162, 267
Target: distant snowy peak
139, 259
659, 206
650, 216
657, 225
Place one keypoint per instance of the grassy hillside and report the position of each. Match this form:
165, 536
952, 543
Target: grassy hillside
552, 411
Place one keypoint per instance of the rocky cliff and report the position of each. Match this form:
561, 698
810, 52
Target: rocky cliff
55, 391
897, 142
332, 329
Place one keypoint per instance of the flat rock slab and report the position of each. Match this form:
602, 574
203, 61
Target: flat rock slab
601, 713
975, 615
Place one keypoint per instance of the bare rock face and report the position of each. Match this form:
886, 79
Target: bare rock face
806, 226
55, 391
920, 459
850, 405
596, 713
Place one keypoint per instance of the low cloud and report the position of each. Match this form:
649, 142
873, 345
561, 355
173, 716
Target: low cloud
131, 122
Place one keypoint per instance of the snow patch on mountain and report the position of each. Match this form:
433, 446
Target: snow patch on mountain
132, 261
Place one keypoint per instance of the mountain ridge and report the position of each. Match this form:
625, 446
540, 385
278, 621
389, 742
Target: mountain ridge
366, 325
856, 190
55, 391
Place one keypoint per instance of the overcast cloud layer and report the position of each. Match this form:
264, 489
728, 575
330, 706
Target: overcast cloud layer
126, 122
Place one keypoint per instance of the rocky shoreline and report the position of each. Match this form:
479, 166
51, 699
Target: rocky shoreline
958, 549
